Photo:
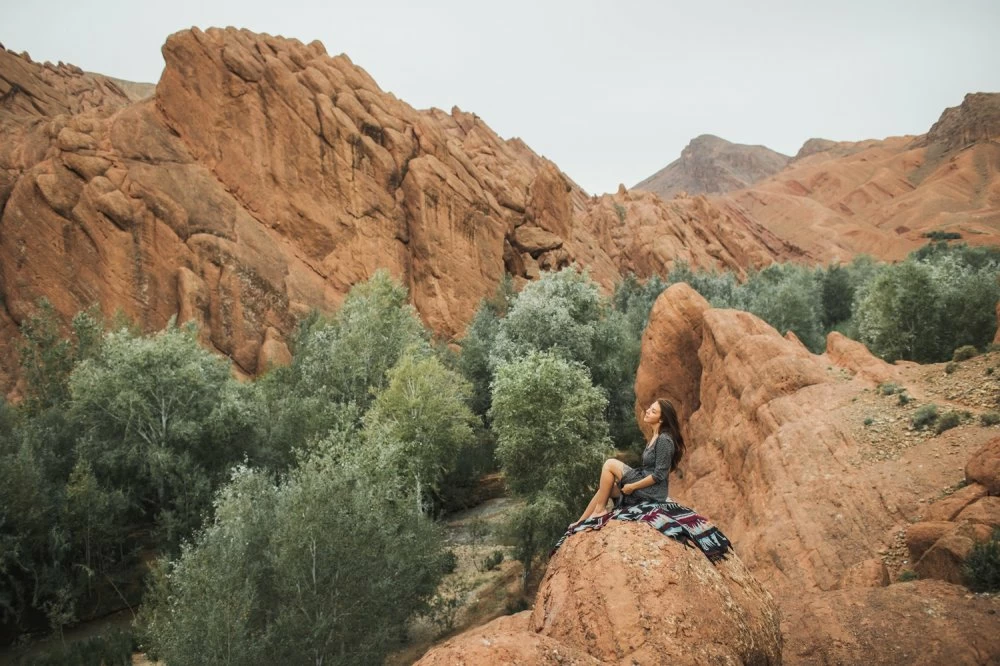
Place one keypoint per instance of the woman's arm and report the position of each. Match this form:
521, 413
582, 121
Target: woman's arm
664, 454
644, 482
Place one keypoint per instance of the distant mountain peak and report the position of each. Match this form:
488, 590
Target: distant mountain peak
710, 164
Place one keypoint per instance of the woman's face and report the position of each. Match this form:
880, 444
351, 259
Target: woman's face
652, 414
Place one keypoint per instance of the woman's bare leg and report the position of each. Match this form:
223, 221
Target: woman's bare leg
611, 474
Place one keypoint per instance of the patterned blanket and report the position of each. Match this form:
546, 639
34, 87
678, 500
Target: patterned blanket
671, 519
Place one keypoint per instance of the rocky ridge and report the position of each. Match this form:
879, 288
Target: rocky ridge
264, 178
711, 165
838, 199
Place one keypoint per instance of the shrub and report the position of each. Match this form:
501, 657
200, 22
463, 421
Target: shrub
950, 367
989, 370
942, 235
491, 561
982, 566
904, 398
947, 421
113, 648
163, 419
964, 353
869, 420
564, 314
887, 388
314, 569
924, 416
907, 575
989, 418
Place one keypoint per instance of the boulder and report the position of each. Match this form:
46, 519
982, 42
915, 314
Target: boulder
868, 573
921, 536
949, 507
984, 511
626, 594
855, 357
983, 466
670, 367
945, 559
506, 640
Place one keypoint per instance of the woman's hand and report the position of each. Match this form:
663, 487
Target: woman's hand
628, 489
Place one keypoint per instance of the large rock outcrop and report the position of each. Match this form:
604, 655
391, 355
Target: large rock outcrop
265, 178
774, 460
628, 595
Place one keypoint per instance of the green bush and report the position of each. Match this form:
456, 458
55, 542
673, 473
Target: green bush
907, 575
964, 353
904, 398
491, 561
887, 388
113, 648
869, 421
991, 418
924, 416
947, 421
551, 441
950, 367
314, 569
982, 566
164, 419
942, 235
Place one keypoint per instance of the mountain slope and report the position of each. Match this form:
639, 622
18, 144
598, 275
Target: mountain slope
710, 165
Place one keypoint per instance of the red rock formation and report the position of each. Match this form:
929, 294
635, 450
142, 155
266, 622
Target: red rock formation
265, 178
772, 462
922, 622
626, 594
984, 467
835, 200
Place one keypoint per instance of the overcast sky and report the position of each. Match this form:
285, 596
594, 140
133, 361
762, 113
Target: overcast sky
610, 91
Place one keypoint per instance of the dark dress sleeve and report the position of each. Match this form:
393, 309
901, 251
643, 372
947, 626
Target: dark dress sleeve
664, 454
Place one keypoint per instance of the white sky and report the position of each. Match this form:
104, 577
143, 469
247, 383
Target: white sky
610, 91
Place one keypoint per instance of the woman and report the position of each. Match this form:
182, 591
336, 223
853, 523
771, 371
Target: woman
649, 482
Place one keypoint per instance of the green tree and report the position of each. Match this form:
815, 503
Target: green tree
47, 357
162, 417
551, 441
477, 344
563, 313
838, 295
346, 358
418, 425
897, 313
309, 570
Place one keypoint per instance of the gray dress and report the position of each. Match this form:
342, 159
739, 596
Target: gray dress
656, 461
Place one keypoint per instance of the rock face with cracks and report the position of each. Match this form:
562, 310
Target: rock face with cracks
628, 595
264, 178
771, 460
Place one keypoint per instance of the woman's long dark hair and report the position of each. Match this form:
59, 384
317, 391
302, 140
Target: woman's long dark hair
671, 425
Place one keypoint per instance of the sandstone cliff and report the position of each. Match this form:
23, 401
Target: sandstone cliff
264, 178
